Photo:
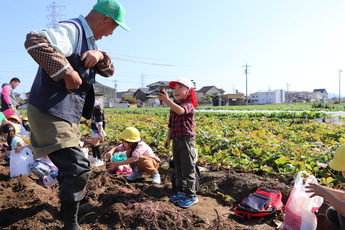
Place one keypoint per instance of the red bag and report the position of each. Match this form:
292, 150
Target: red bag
261, 203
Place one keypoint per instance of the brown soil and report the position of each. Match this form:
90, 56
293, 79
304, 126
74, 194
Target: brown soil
114, 203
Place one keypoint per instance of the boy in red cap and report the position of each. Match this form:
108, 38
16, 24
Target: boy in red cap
181, 132
336, 213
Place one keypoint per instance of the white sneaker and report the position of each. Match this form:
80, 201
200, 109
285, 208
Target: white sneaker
98, 163
156, 178
92, 159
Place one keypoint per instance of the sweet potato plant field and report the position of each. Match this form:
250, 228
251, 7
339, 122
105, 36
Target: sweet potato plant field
240, 149
269, 144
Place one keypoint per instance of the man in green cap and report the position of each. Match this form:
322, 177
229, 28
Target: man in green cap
63, 92
336, 213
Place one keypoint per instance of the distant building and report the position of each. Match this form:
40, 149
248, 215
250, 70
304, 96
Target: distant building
298, 97
321, 95
210, 90
318, 95
105, 95
141, 94
267, 97
233, 99
149, 96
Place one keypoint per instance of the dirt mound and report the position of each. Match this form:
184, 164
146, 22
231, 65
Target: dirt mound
112, 202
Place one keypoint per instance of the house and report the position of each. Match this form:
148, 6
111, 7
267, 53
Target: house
298, 97
141, 94
130, 92
321, 95
105, 95
267, 97
150, 94
233, 99
202, 93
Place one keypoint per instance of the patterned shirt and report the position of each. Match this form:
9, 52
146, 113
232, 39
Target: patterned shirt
50, 47
182, 125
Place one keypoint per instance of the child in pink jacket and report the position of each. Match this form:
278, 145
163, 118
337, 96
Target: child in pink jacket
139, 156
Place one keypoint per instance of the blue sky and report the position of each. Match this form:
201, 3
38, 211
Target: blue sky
288, 44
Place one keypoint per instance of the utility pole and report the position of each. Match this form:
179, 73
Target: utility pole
115, 85
339, 85
246, 72
54, 15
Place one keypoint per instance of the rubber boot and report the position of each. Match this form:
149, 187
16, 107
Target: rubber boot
70, 212
61, 213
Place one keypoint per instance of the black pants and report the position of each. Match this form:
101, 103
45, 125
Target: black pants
184, 161
74, 173
336, 219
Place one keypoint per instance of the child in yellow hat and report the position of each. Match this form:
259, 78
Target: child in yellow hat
139, 155
336, 213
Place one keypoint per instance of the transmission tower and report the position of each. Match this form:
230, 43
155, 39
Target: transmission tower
142, 80
54, 15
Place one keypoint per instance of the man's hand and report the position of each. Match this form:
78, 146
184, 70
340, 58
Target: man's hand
91, 58
72, 80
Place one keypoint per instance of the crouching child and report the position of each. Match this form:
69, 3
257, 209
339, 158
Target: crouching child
139, 156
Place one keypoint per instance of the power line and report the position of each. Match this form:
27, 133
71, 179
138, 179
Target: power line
137, 57
146, 63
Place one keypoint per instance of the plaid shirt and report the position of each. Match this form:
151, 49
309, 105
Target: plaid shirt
182, 125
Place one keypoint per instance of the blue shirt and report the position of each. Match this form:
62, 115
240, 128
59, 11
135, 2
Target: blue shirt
15, 141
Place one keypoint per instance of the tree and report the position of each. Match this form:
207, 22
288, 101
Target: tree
211, 96
130, 98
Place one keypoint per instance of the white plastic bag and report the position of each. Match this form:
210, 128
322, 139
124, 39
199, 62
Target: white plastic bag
19, 162
300, 208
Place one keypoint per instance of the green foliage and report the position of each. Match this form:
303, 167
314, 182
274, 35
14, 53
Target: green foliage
318, 106
259, 142
130, 98
321, 105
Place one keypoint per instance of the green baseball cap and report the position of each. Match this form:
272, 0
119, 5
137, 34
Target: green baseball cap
112, 9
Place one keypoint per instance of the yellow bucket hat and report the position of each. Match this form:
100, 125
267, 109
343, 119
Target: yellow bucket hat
338, 162
130, 134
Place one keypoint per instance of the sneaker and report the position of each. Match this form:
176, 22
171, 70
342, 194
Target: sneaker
178, 197
98, 163
187, 202
92, 159
135, 176
156, 178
